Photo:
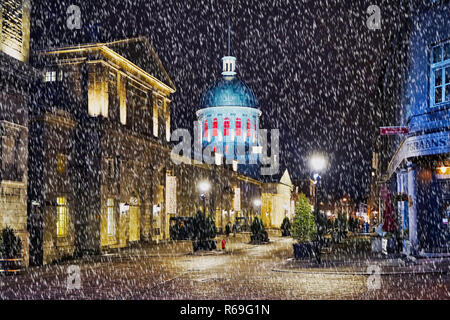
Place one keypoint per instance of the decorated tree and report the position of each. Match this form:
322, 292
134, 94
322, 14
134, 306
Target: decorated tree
304, 226
259, 233
204, 227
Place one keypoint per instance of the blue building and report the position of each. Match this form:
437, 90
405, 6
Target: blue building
415, 93
229, 118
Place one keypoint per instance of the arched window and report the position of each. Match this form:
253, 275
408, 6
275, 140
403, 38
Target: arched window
226, 127
215, 127
238, 126
206, 129
249, 128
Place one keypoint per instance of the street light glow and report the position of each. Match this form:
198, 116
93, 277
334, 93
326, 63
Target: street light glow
204, 186
257, 202
317, 163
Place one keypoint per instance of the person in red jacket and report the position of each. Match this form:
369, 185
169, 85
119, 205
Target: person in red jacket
223, 244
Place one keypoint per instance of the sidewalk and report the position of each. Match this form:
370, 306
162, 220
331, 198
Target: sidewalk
354, 257
172, 249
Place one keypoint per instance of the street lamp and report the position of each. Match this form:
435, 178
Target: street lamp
204, 187
317, 164
257, 204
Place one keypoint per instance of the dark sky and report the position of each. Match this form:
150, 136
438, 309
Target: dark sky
313, 65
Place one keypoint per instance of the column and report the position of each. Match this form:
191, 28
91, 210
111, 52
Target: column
412, 206
402, 184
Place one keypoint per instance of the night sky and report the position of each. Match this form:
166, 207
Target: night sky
313, 65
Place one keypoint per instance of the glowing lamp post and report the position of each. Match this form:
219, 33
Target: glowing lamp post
317, 164
257, 204
204, 187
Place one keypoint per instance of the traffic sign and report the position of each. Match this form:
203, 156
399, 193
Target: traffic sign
388, 131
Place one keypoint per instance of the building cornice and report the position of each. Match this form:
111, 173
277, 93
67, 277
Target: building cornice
120, 61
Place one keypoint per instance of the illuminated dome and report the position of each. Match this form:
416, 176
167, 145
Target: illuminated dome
229, 92
229, 121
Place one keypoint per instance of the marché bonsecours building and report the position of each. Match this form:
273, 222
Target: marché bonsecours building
229, 118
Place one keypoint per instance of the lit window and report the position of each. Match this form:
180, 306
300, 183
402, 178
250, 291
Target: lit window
238, 126
62, 216
50, 76
226, 148
249, 128
215, 127
255, 129
110, 217
155, 120
440, 74
226, 127
61, 163
206, 129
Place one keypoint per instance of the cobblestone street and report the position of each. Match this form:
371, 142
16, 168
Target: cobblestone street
243, 272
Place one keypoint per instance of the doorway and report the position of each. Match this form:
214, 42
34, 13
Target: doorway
134, 225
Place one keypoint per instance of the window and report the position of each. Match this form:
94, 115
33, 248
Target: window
206, 129
122, 91
249, 128
226, 148
440, 74
238, 126
111, 221
215, 127
61, 163
50, 76
255, 129
62, 216
226, 127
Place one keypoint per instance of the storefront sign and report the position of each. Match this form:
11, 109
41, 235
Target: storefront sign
429, 144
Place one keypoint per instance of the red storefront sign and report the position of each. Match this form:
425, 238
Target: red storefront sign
388, 131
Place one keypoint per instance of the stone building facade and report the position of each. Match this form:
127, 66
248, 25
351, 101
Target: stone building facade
85, 148
276, 200
101, 174
16, 79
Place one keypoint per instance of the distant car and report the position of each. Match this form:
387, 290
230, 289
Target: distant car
181, 228
241, 224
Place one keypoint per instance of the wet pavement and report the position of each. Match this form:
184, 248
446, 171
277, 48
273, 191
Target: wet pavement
243, 271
